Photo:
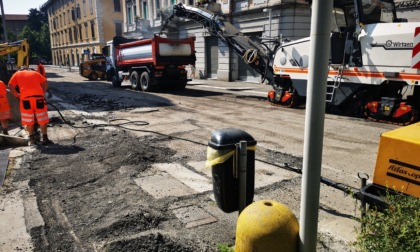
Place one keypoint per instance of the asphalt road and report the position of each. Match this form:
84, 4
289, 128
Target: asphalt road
154, 167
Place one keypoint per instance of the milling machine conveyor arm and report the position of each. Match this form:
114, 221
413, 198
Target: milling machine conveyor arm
255, 54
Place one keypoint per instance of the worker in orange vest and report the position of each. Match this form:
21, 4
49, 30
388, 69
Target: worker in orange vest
41, 69
5, 113
32, 87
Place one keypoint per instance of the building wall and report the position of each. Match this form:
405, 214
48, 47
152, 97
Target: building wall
15, 23
75, 39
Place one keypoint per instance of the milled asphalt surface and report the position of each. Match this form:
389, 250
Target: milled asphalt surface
19, 212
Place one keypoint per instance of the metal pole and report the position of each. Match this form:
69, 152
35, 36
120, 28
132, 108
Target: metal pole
363, 201
269, 23
3, 19
242, 175
314, 123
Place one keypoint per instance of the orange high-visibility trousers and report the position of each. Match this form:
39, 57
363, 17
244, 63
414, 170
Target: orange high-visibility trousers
4, 108
34, 107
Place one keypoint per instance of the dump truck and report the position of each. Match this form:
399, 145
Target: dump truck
148, 64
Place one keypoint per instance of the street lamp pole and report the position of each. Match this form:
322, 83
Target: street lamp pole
4, 27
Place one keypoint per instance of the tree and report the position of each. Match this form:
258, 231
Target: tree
38, 34
36, 18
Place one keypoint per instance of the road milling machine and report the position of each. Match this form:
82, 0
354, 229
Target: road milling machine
374, 64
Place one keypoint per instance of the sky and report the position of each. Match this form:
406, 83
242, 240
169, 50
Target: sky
21, 6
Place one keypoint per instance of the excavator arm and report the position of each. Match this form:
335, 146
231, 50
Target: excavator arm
257, 55
22, 49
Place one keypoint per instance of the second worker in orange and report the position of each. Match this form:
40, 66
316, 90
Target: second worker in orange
33, 106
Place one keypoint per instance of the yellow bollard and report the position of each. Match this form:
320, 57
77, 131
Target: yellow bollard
267, 226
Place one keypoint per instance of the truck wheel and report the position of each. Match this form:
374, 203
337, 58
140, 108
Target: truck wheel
115, 81
135, 80
145, 82
93, 76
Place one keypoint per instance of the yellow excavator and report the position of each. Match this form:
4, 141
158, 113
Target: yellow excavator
7, 68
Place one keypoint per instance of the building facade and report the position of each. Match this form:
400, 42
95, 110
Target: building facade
255, 18
15, 24
80, 28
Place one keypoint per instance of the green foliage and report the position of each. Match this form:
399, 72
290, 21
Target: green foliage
36, 19
394, 229
39, 41
224, 248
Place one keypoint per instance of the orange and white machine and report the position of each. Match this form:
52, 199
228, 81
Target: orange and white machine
373, 67
374, 63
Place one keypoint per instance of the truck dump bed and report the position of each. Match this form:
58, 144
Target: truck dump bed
157, 51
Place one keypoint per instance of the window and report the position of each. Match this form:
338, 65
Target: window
129, 14
73, 14
157, 4
75, 33
117, 6
92, 28
80, 33
86, 31
70, 36
131, 11
118, 29
78, 13
145, 11
68, 16
91, 6
84, 8
377, 11
64, 17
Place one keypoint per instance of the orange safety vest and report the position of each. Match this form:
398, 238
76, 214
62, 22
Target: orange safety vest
4, 103
29, 83
2, 89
